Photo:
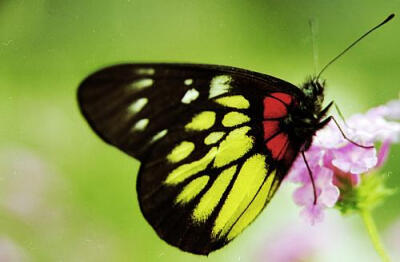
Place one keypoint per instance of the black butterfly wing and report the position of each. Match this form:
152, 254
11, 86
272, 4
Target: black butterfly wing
198, 130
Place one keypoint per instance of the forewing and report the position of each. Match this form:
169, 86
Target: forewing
128, 105
206, 172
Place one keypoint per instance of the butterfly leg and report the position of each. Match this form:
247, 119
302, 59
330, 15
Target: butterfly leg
345, 137
311, 177
340, 114
325, 110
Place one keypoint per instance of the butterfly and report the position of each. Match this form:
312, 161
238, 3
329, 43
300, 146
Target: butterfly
214, 142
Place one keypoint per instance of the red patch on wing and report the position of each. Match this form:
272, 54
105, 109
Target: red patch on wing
278, 146
274, 108
271, 127
287, 99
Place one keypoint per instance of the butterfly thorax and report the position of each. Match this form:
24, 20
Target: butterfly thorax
304, 117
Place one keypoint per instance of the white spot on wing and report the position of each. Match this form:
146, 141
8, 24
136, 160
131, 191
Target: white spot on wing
220, 85
188, 82
190, 95
159, 135
138, 105
141, 83
145, 71
141, 124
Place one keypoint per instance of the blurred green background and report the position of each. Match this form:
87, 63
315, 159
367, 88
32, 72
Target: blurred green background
66, 196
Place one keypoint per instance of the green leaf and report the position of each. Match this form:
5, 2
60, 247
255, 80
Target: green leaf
370, 193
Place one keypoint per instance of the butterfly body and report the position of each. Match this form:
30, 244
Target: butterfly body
214, 142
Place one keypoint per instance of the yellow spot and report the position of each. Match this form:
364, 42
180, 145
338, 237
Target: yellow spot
159, 135
190, 96
145, 71
234, 119
219, 85
137, 105
238, 102
246, 185
188, 81
235, 145
211, 198
141, 83
180, 152
202, 121
213, 137
141, 125
254, 209
184, 171
192, 190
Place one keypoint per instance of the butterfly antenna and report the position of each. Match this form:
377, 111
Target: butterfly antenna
355, 42
313, 30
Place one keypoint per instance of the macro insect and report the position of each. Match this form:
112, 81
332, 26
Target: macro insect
214, 142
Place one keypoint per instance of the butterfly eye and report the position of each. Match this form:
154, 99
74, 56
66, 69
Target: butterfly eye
308, 89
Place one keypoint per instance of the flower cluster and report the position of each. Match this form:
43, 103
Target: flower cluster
338, 164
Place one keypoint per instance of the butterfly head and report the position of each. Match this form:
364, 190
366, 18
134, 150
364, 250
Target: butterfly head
313, 90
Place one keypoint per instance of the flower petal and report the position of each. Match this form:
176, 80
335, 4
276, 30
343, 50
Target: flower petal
354, 159
312, 214
383, 152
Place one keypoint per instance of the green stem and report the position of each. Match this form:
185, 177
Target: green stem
373, 234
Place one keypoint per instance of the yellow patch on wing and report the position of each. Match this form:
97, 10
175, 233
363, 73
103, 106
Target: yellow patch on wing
186, 170
235, 145
254, 209
220, 85
192, 189
237, 101
211, 198
247, 183
137, 105
140, 84
202, 121
213, 138
159, 135
234, 119
188, 82
181, 151
274, 187
140, 125
145, 71
190, 96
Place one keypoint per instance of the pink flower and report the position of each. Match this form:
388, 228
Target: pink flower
327, 195
335, 162
390, 111
354, 159
383, 153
